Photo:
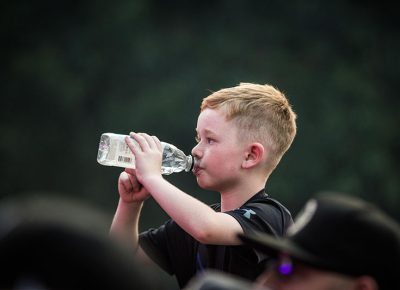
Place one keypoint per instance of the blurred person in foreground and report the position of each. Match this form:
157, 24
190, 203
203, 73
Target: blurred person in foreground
337, 242
54, 243
242, 134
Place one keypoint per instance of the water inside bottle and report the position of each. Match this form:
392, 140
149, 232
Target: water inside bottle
104, 147
174, 160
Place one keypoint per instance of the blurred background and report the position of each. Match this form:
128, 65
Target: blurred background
72, 70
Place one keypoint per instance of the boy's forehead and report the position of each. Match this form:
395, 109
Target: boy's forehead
212, 114
211, 119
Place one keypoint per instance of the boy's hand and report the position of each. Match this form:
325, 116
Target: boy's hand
129, 188
148, 156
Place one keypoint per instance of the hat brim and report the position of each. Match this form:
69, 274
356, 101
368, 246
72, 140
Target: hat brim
273, 247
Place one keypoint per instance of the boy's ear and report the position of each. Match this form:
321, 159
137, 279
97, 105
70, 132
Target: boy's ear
253, 155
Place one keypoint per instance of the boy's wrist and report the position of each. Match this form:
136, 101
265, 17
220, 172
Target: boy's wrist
152, 181
132, 205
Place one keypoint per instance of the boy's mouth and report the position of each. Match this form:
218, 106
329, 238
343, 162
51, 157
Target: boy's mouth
196, 169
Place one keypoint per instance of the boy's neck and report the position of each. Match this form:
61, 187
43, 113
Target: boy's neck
234, 199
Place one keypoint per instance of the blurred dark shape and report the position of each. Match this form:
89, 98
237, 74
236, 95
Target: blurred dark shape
215, 280
337, 233
60, 244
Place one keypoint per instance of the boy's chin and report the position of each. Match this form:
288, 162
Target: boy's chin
207, 186
204, 185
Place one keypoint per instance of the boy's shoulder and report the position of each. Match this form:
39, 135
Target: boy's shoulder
264, 199
259, 198
262, 213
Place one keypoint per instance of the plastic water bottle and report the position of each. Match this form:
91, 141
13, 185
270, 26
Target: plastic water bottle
113, 151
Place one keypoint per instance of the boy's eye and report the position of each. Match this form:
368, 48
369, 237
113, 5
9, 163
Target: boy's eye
208, 140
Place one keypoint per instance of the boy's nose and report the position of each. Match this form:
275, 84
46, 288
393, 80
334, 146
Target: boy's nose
196, 151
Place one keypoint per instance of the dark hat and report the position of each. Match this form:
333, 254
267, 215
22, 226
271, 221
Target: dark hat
339, 233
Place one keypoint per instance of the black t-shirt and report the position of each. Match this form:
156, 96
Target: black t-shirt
181, 255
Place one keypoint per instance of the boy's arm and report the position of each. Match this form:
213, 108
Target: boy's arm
193, 216
125, 224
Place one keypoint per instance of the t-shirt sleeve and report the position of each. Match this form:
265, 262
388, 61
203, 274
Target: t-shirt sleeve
169, 247
154, 243
261, 217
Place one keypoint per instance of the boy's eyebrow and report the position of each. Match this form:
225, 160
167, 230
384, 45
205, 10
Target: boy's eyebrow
206, 131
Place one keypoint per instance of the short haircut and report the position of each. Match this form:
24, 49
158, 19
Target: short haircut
262, 114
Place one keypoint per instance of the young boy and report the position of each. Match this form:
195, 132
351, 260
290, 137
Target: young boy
242, 133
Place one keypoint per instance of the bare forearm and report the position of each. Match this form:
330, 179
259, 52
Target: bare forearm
125, 224
195, 217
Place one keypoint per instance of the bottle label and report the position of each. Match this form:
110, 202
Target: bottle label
123, 155
113, 151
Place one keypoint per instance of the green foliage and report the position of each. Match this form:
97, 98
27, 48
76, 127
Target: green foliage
72, 70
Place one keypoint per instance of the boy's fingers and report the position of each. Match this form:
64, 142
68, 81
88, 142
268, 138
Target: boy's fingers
149, 141
130, 171
152, 141
146, 141
140, 139
130, 144
129, 182
134, 183
157, 142
125, 181
123, 177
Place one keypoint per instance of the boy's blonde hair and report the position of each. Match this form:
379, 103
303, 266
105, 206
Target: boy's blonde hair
261, 113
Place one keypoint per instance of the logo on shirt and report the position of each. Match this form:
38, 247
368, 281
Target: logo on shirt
247, 212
